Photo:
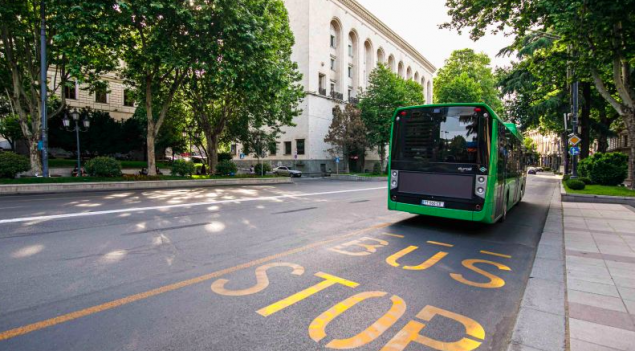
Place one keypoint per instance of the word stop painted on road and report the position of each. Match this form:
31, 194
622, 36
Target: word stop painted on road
411, 333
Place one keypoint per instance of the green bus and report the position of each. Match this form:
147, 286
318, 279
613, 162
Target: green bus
458, 161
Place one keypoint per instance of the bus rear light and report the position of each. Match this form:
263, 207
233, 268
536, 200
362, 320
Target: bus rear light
394, 198
403, 113
481, 186
477, 109
478, 207
394, 179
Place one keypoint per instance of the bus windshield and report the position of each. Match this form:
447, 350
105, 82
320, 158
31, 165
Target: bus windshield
441, 135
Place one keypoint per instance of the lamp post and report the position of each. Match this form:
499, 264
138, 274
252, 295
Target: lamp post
67, 123
43, 92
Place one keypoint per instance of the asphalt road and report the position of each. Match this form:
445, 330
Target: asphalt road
313, 265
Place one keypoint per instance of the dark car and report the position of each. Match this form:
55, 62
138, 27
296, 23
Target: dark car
531, 170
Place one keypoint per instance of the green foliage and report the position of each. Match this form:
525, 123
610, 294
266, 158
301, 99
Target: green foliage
584, 167
182, 168
575, 184
466, 77
103, 167
11, 164
10, 129
226, 167
262, 168
224, 156
385, 93
376, 168
586, 181
566, 177
347, 132
609, 169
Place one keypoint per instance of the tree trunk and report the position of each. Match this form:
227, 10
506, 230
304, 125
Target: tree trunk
35, 158
585, 118
603, 142
152, 164
212, 153
382, 155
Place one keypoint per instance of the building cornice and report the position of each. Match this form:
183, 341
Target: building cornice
380, 26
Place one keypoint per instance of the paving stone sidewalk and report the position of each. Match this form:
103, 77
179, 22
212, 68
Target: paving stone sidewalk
600, 262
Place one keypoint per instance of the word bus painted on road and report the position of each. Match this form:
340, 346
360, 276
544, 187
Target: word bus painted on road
458, 161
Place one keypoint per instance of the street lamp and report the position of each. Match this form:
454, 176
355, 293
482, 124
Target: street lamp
67, 125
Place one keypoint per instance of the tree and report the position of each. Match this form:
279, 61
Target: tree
598, 33
246, 81
160, 41
386, 92
80, 47
347, 133
466, 77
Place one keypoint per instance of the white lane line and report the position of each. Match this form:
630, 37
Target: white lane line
194, 204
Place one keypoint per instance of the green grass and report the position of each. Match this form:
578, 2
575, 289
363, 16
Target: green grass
62, 163
58, 180
602, 190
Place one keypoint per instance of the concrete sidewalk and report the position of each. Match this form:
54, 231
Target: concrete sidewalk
600, 261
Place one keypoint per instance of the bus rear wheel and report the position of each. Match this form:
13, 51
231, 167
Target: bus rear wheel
504, 216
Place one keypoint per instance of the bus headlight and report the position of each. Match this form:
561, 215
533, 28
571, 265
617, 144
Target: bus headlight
394, 179
481, 186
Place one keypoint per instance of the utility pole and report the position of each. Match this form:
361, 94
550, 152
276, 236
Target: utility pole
574, 125
43, 92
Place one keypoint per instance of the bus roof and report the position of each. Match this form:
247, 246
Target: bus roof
512, 127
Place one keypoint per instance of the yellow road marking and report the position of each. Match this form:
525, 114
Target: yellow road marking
164, 289
392, 260
440, 244
329, 281
494, 281
395, 235
495, 254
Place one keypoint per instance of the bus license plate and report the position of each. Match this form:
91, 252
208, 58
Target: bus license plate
433, 203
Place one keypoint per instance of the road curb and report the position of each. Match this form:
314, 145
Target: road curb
355, 178
23, 189
542, 317
596, 199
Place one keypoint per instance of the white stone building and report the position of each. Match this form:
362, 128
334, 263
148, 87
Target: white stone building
337, 45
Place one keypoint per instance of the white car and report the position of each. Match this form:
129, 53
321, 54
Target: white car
282, 170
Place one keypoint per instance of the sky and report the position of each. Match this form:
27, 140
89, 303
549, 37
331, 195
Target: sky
417, 22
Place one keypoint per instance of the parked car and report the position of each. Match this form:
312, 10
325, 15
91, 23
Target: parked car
286, 171
531, 170
539, 169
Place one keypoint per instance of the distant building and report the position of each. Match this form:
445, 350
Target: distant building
549, 148
337, 45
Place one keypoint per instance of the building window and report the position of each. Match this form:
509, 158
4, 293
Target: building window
350, 71
332, 87
333, 63
287, 148
233, 149
333, 41
101, 96
350, 93
128, 97
322, 84
70, 92
350, 50
299, 144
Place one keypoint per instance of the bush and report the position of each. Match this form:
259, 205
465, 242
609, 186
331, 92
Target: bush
182, 168
224, 156
103, 167
226, 167
265, 168
586, 181
377, 168
584, 166
609, 169
11, 164
566, 177
575, 184
547, 169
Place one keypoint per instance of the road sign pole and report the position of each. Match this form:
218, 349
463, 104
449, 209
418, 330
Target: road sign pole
574, 124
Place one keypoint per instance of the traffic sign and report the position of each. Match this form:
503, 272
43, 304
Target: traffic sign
337, 160
574, 151
574, 140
